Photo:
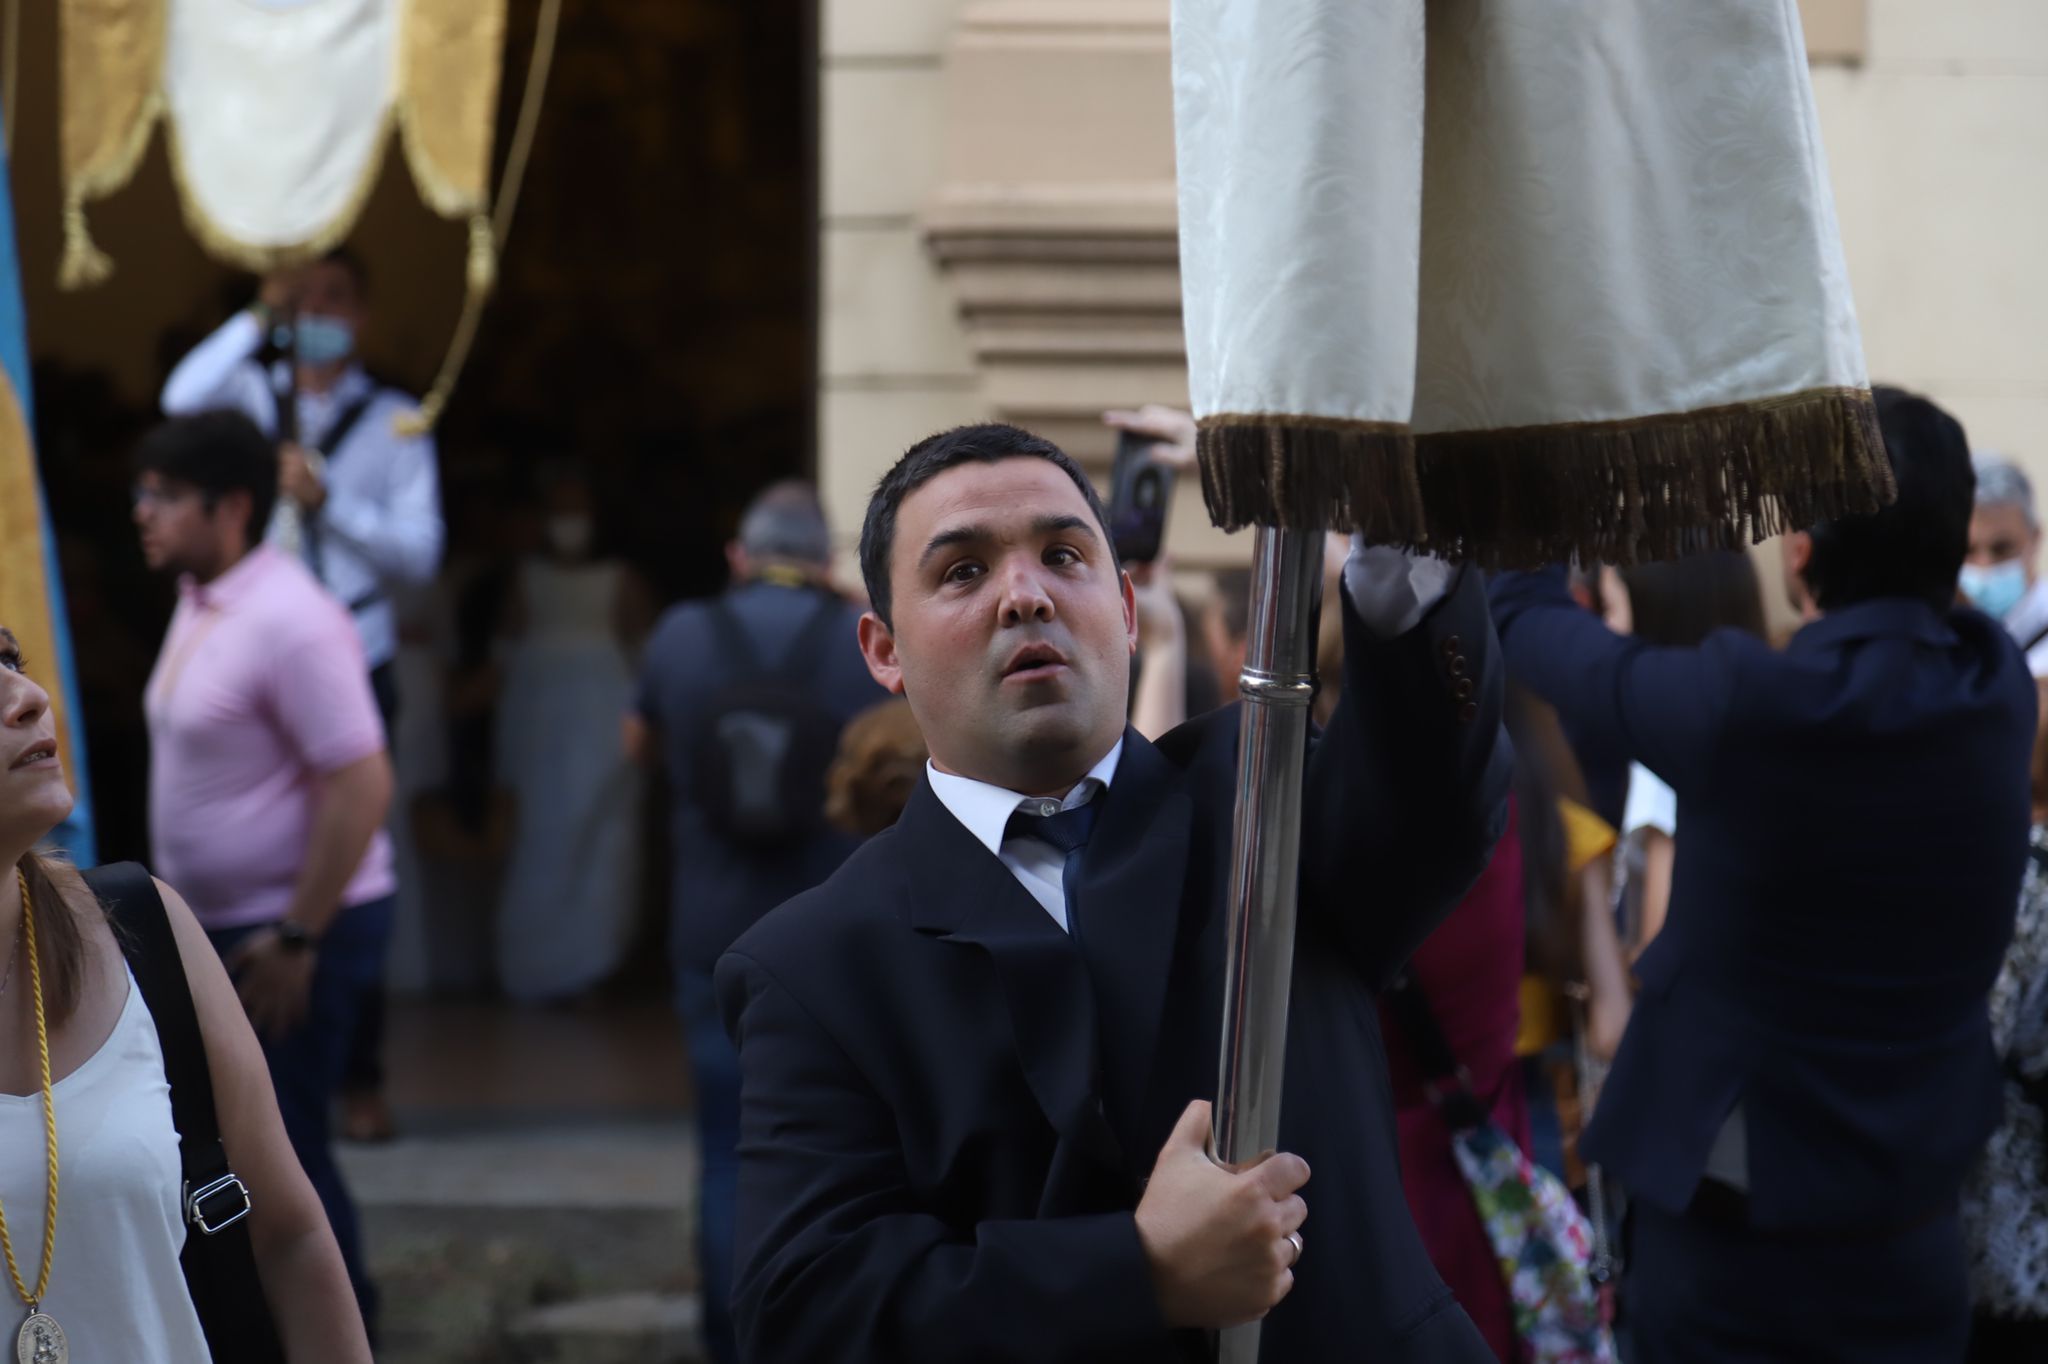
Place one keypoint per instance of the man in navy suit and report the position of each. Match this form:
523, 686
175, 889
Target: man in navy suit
1808, 1073
976, 1061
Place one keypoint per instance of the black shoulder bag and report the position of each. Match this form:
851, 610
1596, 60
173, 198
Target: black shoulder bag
219, 1261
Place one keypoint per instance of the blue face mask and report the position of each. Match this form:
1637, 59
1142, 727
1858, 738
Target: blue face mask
323, 340
1995, 590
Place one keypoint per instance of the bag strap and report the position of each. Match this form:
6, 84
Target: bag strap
213, 1198
806, 651
345, 423
1445, 1081
219, 1263
733, 640
797, 664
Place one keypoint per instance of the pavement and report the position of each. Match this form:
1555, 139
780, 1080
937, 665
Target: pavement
538, 1204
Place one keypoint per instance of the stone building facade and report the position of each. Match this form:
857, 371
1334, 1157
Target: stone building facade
997, 219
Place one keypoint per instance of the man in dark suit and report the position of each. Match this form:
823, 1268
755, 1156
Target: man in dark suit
1808, 1073
779, 629
969, 1057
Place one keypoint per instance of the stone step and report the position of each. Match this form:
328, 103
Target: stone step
477, 1229
621, 1328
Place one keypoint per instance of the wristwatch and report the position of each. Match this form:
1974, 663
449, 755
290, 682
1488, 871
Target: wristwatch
294, 938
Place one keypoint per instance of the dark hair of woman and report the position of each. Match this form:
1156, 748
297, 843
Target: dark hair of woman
55, 890
1681, 602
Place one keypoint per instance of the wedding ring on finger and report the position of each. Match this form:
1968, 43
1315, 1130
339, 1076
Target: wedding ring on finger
1293, 1238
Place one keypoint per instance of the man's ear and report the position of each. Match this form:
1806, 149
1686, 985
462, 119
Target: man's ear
1798, 553
1130, 592
878, 647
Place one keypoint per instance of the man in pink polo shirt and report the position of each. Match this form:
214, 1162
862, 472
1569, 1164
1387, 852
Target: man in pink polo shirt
268, 777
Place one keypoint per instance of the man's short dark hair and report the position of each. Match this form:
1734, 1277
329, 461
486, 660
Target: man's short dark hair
354, 266
217, 452
985, 443
1914, 547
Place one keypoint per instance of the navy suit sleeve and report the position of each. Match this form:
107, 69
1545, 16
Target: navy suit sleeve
1665, 707
838, 1260
1407, 787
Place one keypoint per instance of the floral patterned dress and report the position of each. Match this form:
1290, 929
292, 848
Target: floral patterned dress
2005, 1205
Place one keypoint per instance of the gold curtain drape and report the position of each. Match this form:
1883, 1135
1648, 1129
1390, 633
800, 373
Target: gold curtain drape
24, 588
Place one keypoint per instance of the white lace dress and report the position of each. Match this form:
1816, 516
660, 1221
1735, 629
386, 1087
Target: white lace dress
2005, 1205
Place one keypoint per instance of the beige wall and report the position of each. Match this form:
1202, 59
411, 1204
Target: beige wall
1938, 146
945, 119
894, 362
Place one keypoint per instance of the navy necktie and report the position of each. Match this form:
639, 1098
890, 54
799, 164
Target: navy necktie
1066, 830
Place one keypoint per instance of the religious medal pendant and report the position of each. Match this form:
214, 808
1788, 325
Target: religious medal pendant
41, 1340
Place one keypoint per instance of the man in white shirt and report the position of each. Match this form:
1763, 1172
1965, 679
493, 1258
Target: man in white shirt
2002, 575
975, 1063
369, 505
360, 499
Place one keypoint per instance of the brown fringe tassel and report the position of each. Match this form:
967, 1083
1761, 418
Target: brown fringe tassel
1304, 473
1614, 492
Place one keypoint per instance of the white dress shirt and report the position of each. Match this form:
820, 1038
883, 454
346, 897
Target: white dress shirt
985, 811
1391, 591
2029, 617
381, 525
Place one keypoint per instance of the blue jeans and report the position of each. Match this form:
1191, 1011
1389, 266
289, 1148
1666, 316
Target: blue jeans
306, 1064
715, 1068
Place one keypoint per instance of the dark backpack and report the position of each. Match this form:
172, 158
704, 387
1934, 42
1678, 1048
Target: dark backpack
766, 740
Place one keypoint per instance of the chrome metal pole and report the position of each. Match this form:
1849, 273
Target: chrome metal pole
1277, 685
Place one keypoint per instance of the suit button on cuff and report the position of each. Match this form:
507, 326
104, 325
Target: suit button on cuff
1469, 712
1463, 689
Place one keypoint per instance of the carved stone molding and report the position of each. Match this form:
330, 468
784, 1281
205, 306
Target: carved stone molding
1054, 220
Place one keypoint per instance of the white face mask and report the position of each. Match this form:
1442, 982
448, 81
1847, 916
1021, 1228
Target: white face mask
570, 535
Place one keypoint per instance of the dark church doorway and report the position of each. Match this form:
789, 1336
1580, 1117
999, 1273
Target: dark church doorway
654, 325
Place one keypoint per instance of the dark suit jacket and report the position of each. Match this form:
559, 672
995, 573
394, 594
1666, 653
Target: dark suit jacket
1853, 821
949, 1104
719, 890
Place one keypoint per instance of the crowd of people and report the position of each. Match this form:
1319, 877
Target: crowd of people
948, 857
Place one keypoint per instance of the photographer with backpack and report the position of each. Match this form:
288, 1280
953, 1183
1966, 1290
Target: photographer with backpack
742, 699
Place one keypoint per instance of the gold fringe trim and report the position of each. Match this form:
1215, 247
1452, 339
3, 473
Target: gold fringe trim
259, 259
1616, 492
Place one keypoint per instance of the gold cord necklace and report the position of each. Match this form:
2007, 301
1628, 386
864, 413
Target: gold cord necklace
40, 1340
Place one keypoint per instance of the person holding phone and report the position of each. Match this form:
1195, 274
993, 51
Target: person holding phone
1154, 444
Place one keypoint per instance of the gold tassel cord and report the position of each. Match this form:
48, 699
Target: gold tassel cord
487, 236
83, 264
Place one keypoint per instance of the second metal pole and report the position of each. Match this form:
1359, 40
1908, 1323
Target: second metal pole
1278, 684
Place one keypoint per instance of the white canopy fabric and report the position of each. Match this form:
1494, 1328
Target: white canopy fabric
280, 113
1514, 281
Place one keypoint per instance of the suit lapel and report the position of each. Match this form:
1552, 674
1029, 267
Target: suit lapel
962, 894
1129, 908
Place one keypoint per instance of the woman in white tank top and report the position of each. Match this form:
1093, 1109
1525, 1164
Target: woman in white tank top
114, 1284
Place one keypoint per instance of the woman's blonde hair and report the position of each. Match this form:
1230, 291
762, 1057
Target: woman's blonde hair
881, 755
